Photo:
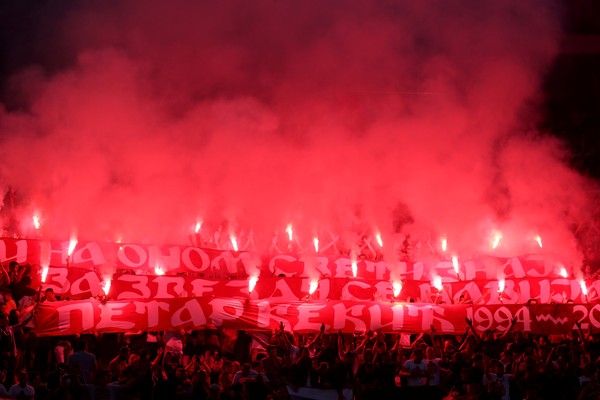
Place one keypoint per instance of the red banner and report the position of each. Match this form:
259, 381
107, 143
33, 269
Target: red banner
77, 283
211, 263
87, 316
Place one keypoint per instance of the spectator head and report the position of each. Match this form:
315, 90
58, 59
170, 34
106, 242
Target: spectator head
417, 355
26, 281
448, 346
272, 351
246, 369
215, 391
124, 353
50, 296
430, 353
81, 345
13, 267
235, 367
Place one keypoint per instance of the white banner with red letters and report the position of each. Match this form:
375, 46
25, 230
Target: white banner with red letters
77, 283
166, 287
87, 316
144, 259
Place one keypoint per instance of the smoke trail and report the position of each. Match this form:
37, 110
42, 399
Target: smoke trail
134, 119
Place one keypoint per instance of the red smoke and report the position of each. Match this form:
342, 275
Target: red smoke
412, 117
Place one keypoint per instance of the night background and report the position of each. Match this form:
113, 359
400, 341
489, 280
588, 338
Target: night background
253, 88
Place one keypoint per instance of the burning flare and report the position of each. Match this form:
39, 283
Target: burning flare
455, 264
252, 283
397, 288
563, 272
379, 241
72, 245
501, 285
354, 268
198, 226
106, 286
496, 240
444, 244
314, 284
45, 273
290, 232
437, 283
36, 221
316, 244
584, 289
159, 270
234, 242
538, 239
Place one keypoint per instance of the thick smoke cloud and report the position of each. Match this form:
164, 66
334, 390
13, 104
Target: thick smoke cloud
411, 117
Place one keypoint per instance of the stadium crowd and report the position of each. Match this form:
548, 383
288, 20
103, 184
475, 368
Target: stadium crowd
235, 365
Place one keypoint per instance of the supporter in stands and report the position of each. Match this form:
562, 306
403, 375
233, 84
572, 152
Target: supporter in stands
22, 390
515, 366
49, 295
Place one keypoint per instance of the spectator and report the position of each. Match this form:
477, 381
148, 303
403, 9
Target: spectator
22, 390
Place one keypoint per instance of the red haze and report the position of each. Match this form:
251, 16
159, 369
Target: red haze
329, 115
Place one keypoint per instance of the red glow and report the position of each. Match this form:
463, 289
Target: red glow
212, 124
455, 264
72, 245
252, 283
379, 240
314, 285
501, 285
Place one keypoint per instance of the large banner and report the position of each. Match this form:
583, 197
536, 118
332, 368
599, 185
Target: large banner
145, 259
87, 316
115, 287
77, 283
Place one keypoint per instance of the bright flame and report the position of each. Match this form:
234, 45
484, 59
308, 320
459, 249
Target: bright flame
538, 239
44, 273
234, 243
379, 241
501, 285
455, 264
314, 284
437, 282
397, 288
252, 283
106, 286
198, 226
444, 244
497, 239
316, 244
290, 232
72, 244
354, 268
158, 270
563, 272
36, 221
584, 289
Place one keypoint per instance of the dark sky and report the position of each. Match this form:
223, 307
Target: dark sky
138, 118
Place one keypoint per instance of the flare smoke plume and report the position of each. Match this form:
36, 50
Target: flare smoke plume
135, 119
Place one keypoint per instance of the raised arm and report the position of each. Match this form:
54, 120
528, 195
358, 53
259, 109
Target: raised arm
509, 330
317, 337
4, 277
473, 331
261, 341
